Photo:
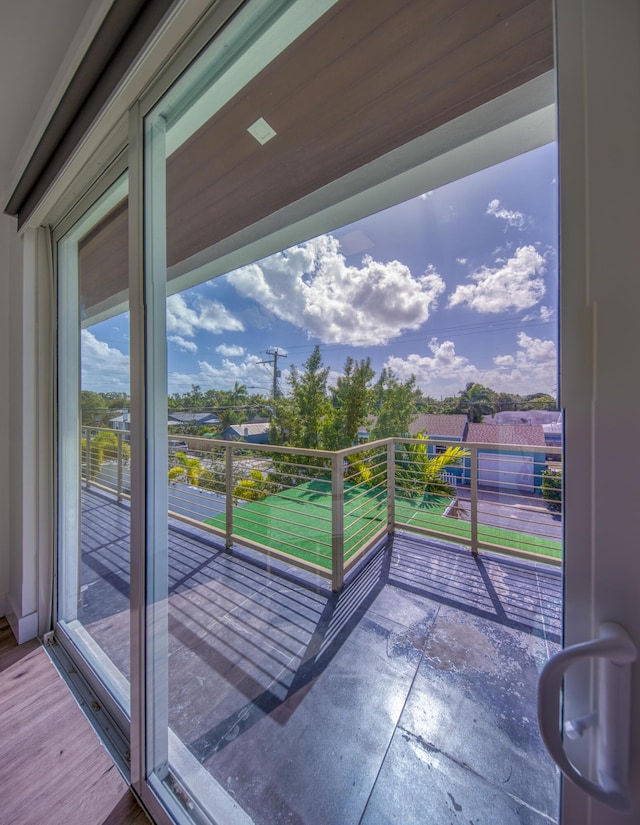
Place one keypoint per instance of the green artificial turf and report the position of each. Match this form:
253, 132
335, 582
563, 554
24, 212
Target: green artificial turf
306, 509
407, 513
297, 521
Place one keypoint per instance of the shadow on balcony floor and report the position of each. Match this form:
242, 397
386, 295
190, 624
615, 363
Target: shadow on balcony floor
410, 696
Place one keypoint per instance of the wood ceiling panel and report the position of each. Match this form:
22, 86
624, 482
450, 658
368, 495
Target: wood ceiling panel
358, 84
368, 77
103, 259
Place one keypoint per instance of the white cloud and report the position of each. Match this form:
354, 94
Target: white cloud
184, 345
249, 372
104, 368
532, 368
544, 314
504, 360
442, 373
535, 350
516, 284
312, 286
462, 261
511, 216
207, 315
230, 350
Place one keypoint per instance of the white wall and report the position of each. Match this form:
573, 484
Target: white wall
30, 415
7, 231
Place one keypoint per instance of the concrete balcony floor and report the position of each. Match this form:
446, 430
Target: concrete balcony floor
409, 697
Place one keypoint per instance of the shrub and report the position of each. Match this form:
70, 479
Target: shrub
552, 485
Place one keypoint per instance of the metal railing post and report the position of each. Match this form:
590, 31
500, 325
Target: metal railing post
337, 522
228, 463
119, 468
474, 500
391, 486
88, 461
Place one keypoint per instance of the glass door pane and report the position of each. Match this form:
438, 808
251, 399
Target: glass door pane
351, 585
94, 442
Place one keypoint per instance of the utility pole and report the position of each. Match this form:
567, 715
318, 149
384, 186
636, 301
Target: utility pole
276, 352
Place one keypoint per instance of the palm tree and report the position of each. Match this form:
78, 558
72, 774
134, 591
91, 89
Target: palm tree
239, 394
418, 473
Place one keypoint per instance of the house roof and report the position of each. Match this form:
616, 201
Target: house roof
244, 430
524, 417
193, 417
526, 434
444, 426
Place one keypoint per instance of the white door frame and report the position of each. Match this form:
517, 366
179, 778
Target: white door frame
598, 63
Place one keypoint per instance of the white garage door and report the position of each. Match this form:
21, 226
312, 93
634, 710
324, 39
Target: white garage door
505, 471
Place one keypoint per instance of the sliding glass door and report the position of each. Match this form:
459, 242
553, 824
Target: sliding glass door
295, 658
94, 440
291, 554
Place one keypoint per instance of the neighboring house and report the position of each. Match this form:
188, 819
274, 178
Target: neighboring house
516, 469
193, 419
553, 434
450, 427
550, 420
253, 433
121, 422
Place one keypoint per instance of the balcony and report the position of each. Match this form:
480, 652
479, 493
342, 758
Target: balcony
323, 511
377, 659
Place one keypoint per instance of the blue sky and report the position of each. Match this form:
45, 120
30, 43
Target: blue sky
459, 284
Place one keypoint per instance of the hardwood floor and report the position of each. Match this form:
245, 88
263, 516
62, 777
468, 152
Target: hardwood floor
54, 768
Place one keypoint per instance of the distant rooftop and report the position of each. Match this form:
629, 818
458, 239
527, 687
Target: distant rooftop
555, 428
524, 417
244, 430
443, 426
525, 434
193, 417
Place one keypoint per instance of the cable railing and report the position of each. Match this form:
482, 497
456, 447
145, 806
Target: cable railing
323, 511
502, 498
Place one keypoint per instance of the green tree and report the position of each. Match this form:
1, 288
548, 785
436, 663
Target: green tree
285, 427
477, 401
552, 486
309, 391
505, 401
194, 400
95, 411
396, 405
254, 488
539, 401
350, 401
186, 468
103, 447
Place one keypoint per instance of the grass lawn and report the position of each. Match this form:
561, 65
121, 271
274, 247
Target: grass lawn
298, 522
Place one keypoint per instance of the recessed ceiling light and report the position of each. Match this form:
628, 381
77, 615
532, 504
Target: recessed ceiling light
355, 242
261, 131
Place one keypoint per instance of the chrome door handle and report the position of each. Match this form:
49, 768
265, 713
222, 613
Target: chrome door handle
616, 652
